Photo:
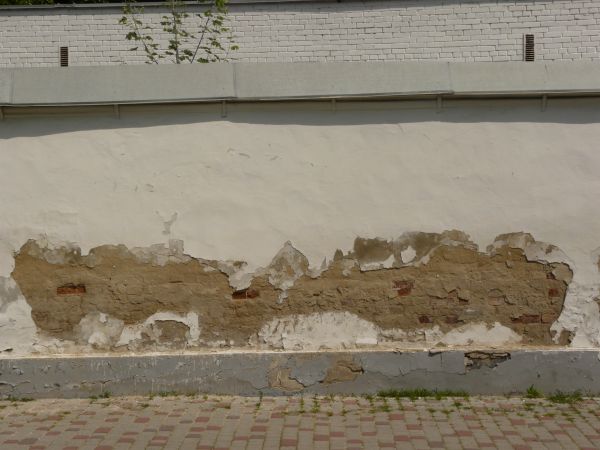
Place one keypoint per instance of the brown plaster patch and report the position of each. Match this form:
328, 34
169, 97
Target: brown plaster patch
479, 359
343, 369
279, 378
456, 285
172, 331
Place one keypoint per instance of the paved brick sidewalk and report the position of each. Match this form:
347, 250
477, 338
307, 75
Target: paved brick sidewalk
221, 422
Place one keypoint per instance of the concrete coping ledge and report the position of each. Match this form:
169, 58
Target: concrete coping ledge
244, 82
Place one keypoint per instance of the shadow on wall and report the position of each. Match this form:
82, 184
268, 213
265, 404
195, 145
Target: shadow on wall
35, 122
236, 7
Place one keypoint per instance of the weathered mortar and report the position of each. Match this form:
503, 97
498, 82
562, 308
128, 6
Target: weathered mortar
446, 284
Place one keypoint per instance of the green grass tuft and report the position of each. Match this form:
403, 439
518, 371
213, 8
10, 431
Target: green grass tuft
414, 394
565, 397
168, 394
532, 392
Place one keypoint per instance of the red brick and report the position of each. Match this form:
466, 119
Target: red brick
245, 293
464, 433
403, 287
452, 318
527, 318
71, 289
401, 438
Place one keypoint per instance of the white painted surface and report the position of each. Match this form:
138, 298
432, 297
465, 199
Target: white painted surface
238, 188
344, 330
326, 31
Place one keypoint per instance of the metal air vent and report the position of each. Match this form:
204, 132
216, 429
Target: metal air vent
529, 47
64, 57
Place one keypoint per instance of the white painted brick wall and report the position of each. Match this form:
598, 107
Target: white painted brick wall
466, 30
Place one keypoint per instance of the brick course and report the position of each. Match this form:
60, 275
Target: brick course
325, 31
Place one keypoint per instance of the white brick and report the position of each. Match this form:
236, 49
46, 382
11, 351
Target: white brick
332, 31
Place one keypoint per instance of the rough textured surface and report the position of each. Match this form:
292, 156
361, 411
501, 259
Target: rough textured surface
448, 283
273, 373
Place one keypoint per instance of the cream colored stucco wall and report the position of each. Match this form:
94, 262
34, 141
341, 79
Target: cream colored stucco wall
238, 187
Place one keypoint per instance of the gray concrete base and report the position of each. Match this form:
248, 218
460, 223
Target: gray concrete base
481, 372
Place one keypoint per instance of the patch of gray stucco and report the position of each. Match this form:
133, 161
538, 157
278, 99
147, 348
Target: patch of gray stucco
309, 369
452, 362
9, 292
397, 364
248, 373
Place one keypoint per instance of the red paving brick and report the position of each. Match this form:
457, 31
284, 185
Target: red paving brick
215, 422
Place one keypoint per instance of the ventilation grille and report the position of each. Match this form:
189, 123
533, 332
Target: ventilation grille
64, 56
529, 47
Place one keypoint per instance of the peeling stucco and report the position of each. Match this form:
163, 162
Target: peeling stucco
159, 297
81, 186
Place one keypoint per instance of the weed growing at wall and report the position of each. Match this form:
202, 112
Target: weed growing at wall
200, 37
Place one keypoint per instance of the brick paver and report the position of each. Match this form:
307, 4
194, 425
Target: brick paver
222, 422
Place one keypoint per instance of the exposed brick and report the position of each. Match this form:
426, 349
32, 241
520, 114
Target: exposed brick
71, 289
527, 318
452, 319
245, 293
549, 317
403, 287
